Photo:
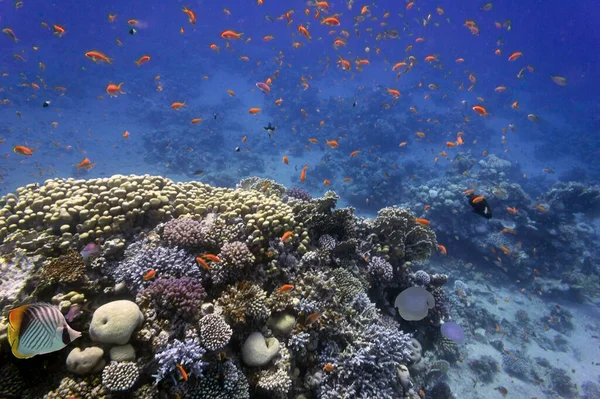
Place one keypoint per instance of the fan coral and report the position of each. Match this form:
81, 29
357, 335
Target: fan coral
299, 193
184, 232
120, 376
187, 353
175, 299
379, 268
141, 257
215, 333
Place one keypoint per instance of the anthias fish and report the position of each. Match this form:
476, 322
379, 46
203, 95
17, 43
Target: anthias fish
480, 205
38, 328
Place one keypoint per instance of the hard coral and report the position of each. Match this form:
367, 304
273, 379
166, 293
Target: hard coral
380, 269
120, 376
141, 257
225, 381
235, 258
185, 232
67, 268
175, 299
299, 194
245, 302
215, 333
187, 353
404, 238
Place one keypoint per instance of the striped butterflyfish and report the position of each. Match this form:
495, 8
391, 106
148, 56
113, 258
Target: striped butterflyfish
38, 328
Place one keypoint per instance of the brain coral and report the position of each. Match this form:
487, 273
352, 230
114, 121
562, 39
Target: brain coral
68, 213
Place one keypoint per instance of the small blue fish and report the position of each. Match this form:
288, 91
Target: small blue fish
38, 328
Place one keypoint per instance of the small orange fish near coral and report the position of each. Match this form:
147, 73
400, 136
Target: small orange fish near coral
203, 263
354, 153
285, 288
328, 367
21, 149
314, 317
442, 249
286, 160
286, 235
86, 164
421, 221
150, 275
254, 111
326, 182
212, 258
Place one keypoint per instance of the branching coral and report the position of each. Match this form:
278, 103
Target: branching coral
120, 376
235, 258
215, 333
225, 381
185, 232
141, 257
188, 354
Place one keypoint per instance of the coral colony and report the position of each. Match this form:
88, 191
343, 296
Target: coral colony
191, 291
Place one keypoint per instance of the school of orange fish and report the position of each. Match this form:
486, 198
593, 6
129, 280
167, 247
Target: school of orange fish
320, 21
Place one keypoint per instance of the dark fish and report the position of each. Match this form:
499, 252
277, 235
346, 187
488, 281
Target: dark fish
132, 31
270, 129
354, 104
198, 172
46, 104
215, 116
38, 328
237, 149
481, 207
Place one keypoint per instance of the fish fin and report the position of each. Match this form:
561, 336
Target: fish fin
15, 318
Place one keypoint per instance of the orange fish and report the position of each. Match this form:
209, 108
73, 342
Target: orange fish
97, 56
512, 210
244, 139
184, 374
20, 149
442, 249
191, 17
422, 221
302, 29
515, 56
303, 173
86, 164
312, 318
142, 60
347, 179
404, 143
126, 134
177, 105
203, 263
231, 93
286, 160
354, 153
327, 182
229, 34
477, 199
254, 111
285, 288
313, 140
195, 121
395, 93
480, 110
211, 258
331, 21
9, 32
329, 367
332, 143
113, 90
286, 236
150, 275
59, 30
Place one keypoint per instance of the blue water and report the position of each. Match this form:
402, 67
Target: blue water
555, 37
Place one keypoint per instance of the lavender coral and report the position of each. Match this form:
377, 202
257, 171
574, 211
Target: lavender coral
184, 232
299, 193
380, 269
174, 299
235, 257
187, 353
141, 257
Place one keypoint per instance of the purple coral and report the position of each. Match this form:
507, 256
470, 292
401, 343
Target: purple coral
379, 268
236, 254
187, 353
299, 193
175, 299
184, 232
327, 242
141, 257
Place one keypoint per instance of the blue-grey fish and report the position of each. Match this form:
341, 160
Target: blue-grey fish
38, 328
